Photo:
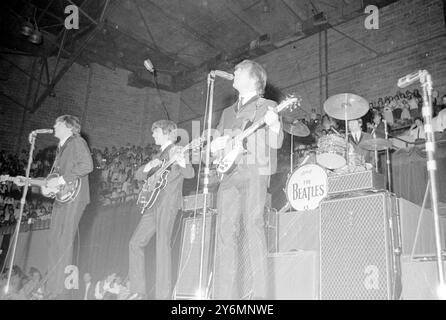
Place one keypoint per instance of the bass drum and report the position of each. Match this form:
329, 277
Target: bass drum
306, 187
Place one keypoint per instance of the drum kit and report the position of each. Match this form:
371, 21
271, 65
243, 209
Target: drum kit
334, 152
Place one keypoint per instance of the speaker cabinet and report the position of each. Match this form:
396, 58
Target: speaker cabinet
294, 275
358, 241
420, 278
188, 279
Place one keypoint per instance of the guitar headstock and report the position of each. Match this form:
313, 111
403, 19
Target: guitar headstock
291, 102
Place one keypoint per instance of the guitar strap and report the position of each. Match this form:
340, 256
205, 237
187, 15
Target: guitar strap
56, 160
55, 167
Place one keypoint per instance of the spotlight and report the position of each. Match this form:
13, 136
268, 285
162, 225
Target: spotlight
36, 37
27, 28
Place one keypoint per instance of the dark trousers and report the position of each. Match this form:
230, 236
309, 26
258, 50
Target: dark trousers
158, 220
64, 223
240, 236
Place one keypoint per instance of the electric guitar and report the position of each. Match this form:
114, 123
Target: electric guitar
63, 193
227, 160
158, 180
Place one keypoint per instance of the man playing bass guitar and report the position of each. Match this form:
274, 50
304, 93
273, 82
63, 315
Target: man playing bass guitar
73, 161
242, 192
160, 217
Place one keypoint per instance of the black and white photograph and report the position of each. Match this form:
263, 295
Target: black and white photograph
235, 152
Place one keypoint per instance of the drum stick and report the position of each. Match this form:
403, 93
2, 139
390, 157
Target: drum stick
335, 131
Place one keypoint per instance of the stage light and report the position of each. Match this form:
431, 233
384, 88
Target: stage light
36, 37
27, 28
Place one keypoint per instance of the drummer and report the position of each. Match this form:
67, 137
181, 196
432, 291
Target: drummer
356, 136
326, 126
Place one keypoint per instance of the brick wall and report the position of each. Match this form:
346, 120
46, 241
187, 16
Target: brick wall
411, 36
111, 112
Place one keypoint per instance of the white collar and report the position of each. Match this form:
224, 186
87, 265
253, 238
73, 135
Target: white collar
62, 142
247, 96
164, 146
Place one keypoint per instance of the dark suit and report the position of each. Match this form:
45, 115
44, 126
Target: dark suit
73, 160
368, 155
160, 220
240, 238
90, 291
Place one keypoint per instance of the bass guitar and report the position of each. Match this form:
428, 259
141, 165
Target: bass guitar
158, 180
63, 193
227, 160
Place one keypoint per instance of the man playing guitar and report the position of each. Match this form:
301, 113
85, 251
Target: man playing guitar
242, 193
159, 218
72, 165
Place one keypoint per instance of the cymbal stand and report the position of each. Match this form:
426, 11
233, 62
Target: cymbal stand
376, 154
346, 134
291, 154
388, 167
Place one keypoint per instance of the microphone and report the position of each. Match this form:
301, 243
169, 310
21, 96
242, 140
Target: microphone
409, 79
33, 134
42, 131
149, 65
222, 74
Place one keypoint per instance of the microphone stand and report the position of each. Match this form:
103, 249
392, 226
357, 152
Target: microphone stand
209, 107
32, 140
389, 176
426, 84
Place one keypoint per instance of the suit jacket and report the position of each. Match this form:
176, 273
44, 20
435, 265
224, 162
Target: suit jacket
261, 145
174, 187
73, 160
368, 155
90, 293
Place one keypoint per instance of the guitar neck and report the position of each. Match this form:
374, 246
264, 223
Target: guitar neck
253, 128
33, 181
169, 162
256, 125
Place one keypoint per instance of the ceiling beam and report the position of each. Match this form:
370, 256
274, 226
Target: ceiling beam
244, 18
296, 14
71, 60
65, 68
188, 28
149, 45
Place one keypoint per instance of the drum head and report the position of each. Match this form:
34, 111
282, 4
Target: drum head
331, 160
306, 187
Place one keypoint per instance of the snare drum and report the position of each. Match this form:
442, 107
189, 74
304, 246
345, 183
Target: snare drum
331, 151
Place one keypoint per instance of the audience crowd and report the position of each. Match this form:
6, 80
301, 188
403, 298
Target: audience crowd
31, 286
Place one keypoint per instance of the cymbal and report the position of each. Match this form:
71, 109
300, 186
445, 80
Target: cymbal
339, 105
296, 128
376, 144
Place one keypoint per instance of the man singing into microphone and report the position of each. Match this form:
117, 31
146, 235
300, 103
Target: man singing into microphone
73, 161
242, 193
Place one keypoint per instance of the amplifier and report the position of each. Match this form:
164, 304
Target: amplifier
359, 248
192, 202
355, 181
